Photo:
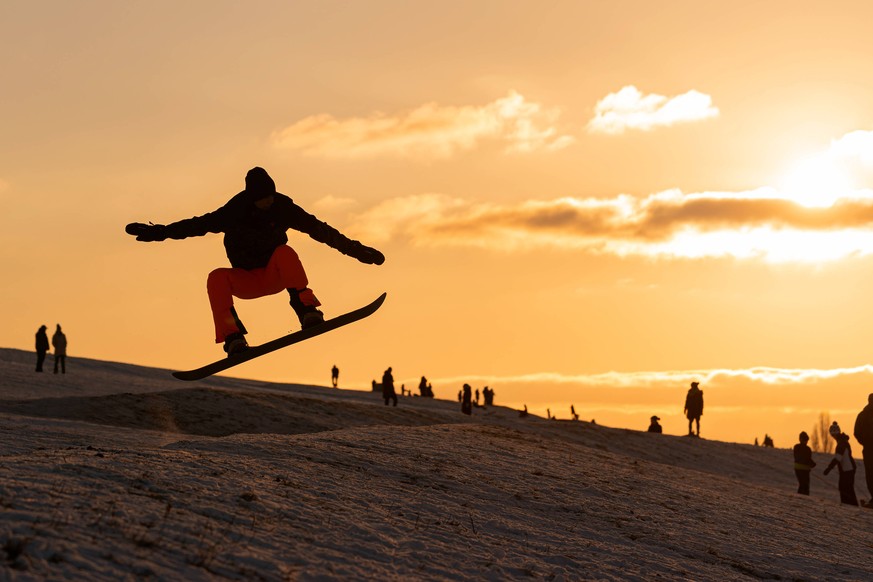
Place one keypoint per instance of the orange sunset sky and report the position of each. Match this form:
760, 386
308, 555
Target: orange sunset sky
588, 203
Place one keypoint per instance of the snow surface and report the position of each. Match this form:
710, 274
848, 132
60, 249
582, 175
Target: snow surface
118, 472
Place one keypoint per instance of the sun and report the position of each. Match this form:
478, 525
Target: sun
816, 181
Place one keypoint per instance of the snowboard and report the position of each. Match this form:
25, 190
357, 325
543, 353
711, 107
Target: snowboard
282, 342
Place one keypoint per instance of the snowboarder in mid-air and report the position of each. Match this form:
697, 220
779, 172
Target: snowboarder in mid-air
254, 223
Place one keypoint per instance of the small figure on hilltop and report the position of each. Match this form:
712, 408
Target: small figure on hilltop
864, 435
694, 407
254, 223
488, 395
768, 441
654, 426
426, 390
467, 400
523, 413
845, 464
388, 392
803, 463
42, 347
573, 412
334, 376
59, 342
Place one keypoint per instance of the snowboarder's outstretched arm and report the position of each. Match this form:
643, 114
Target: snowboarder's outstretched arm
198, 226
298, 219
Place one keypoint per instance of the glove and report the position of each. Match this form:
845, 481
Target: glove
147, 232
365, 254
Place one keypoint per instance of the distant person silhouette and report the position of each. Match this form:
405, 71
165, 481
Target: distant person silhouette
845, 464
254, 223
467, 400
768, 442
573, 412
42, 347
334, 376
654, 426
864, 435
388, 392
803, 463
488, 394
477, 397
694, 407
422, 387
523, 413
59, 342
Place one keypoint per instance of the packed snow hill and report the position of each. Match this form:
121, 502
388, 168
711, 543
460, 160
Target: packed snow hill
115, 472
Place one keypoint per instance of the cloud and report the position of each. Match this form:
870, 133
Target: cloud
430, 131
856, 144
630, 109
332, 204
760, 223
761, 376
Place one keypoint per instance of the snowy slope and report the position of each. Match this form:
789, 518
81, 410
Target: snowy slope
119, 472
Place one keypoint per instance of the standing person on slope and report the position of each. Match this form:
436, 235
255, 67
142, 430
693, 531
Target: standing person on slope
254, 223
694, 407
864, 435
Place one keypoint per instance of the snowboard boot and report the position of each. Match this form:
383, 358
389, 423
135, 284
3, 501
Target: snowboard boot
235, 344
307, 313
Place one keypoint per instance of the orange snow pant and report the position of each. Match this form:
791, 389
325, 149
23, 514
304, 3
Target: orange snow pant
284, 271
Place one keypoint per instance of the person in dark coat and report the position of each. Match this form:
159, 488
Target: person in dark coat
59, 343
864, 435
694, 407
334, 376
254, 223
388, 392
42, 347
467, 400
654, 426
803, 463
845, 464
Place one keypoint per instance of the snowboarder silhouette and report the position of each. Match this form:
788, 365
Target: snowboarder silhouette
254, 223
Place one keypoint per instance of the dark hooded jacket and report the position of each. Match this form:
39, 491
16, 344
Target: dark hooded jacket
251, 234
42, 340
864, 427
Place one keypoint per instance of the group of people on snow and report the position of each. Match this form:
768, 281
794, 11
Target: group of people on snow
842, 460
59, 343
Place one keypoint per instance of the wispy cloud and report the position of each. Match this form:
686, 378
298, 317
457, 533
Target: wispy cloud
630, 109
713, 378
759, 223
429, 131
